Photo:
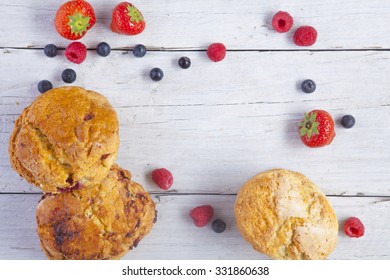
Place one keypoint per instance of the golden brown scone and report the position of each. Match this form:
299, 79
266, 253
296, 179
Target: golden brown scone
100, 222
286, 216
67, 137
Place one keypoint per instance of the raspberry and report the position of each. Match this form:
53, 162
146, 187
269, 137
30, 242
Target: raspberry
216, 52
202, 215
305, 36
282, 22
353, 227
163, 178
76, 52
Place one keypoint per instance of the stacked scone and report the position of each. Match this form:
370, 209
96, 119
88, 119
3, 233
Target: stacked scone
66, 143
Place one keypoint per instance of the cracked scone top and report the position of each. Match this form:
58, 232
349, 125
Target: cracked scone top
68, 137
286, 216
100, 222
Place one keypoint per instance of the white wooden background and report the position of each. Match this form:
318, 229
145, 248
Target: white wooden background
216, 125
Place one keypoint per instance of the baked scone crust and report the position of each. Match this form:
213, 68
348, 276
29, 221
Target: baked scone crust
100, 222
67, 137
286, 216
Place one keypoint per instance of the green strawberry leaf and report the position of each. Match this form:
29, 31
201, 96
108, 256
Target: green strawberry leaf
313, 117
78, 23
315, 130
134, 14
309, 126
309, 133
303, 131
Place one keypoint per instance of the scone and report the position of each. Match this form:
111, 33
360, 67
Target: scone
286, 216
100, 222
68, 137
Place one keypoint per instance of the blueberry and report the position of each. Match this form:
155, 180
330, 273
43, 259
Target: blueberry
156, 74
348, 121
44, 86
184, 62
103, 49
50, 50
308, 86
218, 226
139, 51
68, 76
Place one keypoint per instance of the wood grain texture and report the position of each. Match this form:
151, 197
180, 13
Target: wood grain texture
175, 237
173, 24
217, 125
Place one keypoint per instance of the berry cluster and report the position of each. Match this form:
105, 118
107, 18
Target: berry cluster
317, 127
74, 18
200, 215
76, 52
203, 214
304, 36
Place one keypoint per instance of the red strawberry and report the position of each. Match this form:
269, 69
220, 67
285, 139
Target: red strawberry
74, 19
202, 215
317, 129
127, 19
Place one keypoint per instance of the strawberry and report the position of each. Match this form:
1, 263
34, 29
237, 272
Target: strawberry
74, 18
127, 19
317, 129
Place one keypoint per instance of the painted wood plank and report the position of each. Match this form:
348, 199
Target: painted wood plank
217, 125
194, 24
175, 237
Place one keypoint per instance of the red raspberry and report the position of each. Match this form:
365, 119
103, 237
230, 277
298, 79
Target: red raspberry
353, 227
305, 36
216, 52
163, 178
282, 22
202, 215
76, 52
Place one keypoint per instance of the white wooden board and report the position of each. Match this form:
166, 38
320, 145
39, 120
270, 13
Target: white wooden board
174, 236
173, 24
216, 125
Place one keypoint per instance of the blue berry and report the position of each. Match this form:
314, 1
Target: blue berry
184, 62
308, 86
50, 50
68, 76
139, 51
348, 121
156, 74
44, 86
218, 226
103, 49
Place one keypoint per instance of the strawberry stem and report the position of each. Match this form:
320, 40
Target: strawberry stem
78, 23
309, 126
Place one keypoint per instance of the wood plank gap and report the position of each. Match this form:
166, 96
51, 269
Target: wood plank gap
164, 194
162, 49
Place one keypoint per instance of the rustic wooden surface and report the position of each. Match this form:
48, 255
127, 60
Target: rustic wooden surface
216, 125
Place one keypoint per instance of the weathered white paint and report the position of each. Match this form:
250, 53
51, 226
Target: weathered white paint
195, 24
216, 125
175, 237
